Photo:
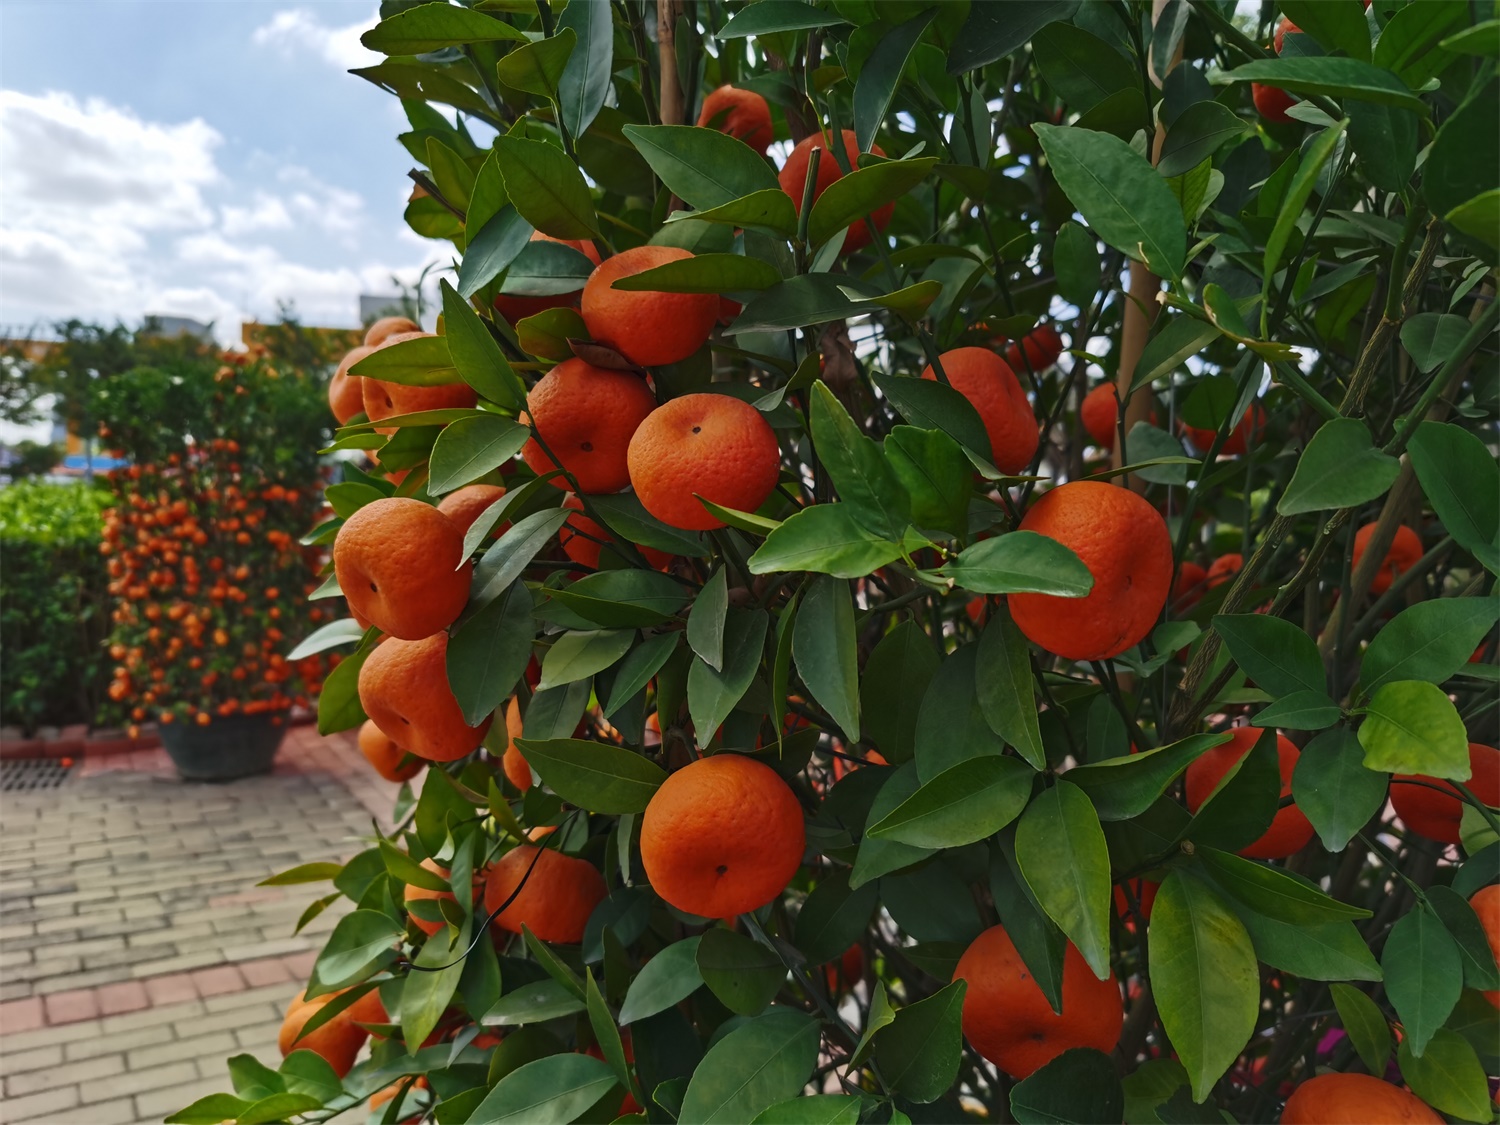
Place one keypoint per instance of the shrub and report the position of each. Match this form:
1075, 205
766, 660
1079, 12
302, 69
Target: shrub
54, 611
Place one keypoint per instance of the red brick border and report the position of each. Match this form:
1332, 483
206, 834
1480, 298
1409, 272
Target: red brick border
79, 742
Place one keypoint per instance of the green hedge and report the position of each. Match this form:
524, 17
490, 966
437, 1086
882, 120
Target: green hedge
54, 607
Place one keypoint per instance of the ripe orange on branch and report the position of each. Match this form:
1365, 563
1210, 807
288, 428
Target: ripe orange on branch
793, 180
716, 446
1437, 813
514, 307
740, 113
1355, 1099
465, 505
1124, 543
583, 540
398, 564
990, 385
1290, 830
1248, 430
555, 899
388, 326
1404, 553
587, 416
338, 1041
403, 687
381, 751
384, 399
647, 327
722, 836
346, 395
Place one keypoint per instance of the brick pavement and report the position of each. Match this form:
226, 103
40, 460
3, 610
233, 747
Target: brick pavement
136, 952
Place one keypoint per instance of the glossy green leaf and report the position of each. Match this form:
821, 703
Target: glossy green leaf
1274, 893
1303, 181
865, 190
1423, 975
669, 977
1461, 479
429, 27
1063, 856
1078, 1085
1337, 25
880, 857
1126, 786
826, 539
864, 478
1411, 42
877, 82
1120, 195
594, 775
934, 406
702, 167
931, 467
504, 562
826, 651
771, 16
1468, 933
425, 995
703, 273
951, 726
919, 1053
1340, 468
1430, 641
584, 85
547, 269
471, 447
1204, 978
361, 941
579, 654
1334, 789
1301, 710
488, 653
475, 353
422, 361
763, 1061
1243, 804
1365, 1026
1083, 69
536, 1002
549, 1091
816, 1109
1037, 939
744, 974
1412, 727
1197, 134
546, 188
1179, 338
993, 31
802, 301
1448, 1076
967, 802
1277, 655
833, 917
491, 251
1007, 694
342, 632
713, 694
1329, 75
537, 66
1020, 562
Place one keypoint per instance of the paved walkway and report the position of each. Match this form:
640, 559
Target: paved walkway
136, 952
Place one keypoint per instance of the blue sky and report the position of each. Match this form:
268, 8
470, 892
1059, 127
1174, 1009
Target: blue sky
195, 158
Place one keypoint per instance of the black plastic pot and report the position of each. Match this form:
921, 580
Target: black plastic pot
227, 748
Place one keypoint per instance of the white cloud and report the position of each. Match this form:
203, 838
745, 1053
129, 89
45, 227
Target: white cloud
104, 215
298, 29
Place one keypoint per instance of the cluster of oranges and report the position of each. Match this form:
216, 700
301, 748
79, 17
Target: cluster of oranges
205, 570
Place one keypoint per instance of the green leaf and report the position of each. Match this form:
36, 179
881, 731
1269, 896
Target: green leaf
881, 1016
1037, 939
826, 539
1204, 978
279, 1107
1478, 217
965, 803
625, 598
422, 361
339, 707
1410, 42
1334, 951
895, 677
1277, 655
1340, 468
1304, 180
1423, 974
488, 653
881, 857
547, 269
546, 188
763, 1061
211, 1110
1078, 1085
880, 76
425, 995
594, 775
440, 803
1301, 710
537, 67
407, 870
1124, 787
424, 82
624, 515
704, 273
932, 469
491, 251
713, 694
1461, 479
771, 16
1468, 933
1168, 349
606, 1034
1365, 1026
1063, 856
931, 405
1020, 562
801, 301
303, 873
1244, 803
951, 726
548, 1091
361, 941
919, 1053
1199, 132
1333, 788
335, 633
859, 470
1431, 337
705, 629
1083, 69
1462, 161
1329, 75
638, 669
506, 559
815, 1109
1448, 1076
1274, 893
1007, 697
1075, 262
744, 974
769, 209
471, 447
580, 654
834, 917
862, 192
584, 85
1337, 26
430, 27
1430, 641
1412, 727
669, 977
826, 651
703, 167
475, 353
537, 1002
454, 178
1120, 195
993, 31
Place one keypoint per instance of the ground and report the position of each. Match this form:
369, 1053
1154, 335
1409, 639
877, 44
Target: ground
136, 951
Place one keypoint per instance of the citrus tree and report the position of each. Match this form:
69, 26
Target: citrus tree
939, 564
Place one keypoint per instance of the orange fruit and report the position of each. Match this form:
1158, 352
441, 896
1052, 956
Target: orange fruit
722, 836
556, 900
740, 113
346, 395
368, 1009
842, 975
400, 565
403, 686
1355, 1099
1039, 349
1438, 815
386, 327
412, 893
1405, 552
465, 505
1284, 28
1007, 1019
1272, 103
1222, 569
517, 769
580, 540
1187, 591
649, 328
338, 1041
514, 308
1250, 427
1486, 904
382, 753
1144, 892
793, 180
991, 386
1099, 412
384, 399
717, 446
586, 415
1290, 830
1124, 543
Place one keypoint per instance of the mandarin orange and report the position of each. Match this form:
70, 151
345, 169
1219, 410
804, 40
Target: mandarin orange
1486, 904
517, 307
740, 113
403, 686
648, 327
1404, 553
793, 180
1355, 1099
383, 753
1250, 428
338, 1041
1437, 813
1290, 830
587, 416
554, 900
400, 564
582, 540
388, 326
513, 762
991, 386
465, 505
346, 395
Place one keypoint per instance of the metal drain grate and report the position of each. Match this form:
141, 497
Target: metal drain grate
32, 773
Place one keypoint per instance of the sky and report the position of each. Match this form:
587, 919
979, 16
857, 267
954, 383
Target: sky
200, 159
